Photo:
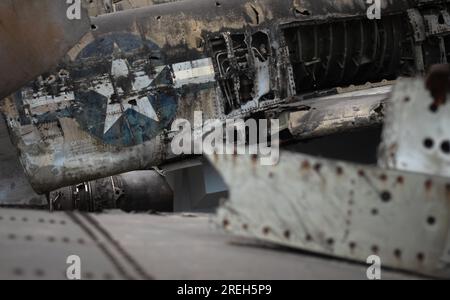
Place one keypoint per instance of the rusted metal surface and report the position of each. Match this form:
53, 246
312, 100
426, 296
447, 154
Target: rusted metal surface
416, 135
107, 108
339, 209
34, 35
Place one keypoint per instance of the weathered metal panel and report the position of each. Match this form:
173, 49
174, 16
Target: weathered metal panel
34, 36
416, 135
339, 209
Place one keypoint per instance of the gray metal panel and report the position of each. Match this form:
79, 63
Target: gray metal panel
36, 245
188, 247
339, 209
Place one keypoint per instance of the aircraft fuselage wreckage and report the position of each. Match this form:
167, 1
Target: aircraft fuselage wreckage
107, 108
94, 107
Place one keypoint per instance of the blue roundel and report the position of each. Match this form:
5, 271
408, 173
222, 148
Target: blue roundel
103, 46
129, 127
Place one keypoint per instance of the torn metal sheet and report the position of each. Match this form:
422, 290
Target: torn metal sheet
34, 36
340, 209
109, 105
416, 135
327, 115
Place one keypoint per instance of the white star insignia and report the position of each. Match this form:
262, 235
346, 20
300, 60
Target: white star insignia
195, 72
114, 111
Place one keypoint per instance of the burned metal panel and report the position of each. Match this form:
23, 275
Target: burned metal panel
339, 209
416, 135
35, 35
